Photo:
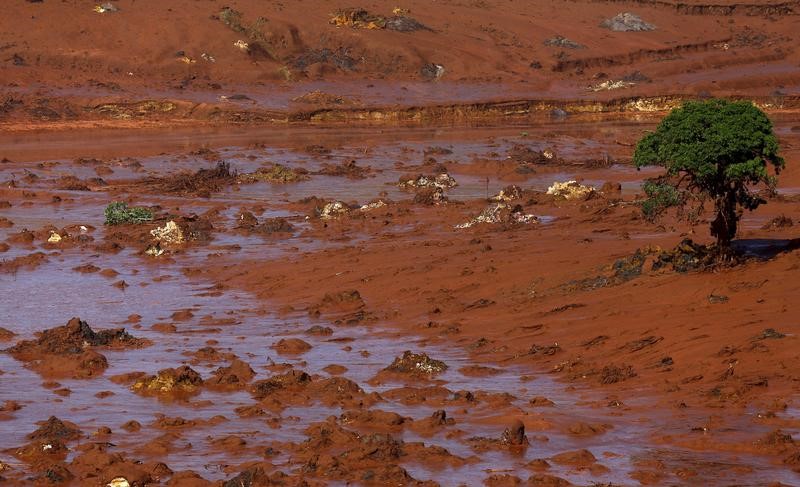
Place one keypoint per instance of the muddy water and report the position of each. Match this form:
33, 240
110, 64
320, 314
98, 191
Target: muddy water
155, 293
236, 322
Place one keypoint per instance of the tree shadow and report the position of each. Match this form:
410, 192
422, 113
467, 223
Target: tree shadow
764, 248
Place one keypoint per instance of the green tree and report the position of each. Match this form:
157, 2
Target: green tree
713, 149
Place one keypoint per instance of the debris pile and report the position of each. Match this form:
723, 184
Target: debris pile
442, 181
627, 22
570, 190
362, 19
501, 213
333, 210
170, 233
417, 364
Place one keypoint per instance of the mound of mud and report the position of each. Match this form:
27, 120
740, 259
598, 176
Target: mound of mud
67, 350
201, 183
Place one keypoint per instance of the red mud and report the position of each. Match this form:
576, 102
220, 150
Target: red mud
364, 280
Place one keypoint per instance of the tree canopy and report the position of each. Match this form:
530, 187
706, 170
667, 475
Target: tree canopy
718, 149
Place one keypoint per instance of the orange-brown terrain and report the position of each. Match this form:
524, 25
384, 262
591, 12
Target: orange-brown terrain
345, 266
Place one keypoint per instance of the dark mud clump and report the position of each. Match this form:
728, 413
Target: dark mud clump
56, 429
235, 376
349, 169
515, 434
67, 350
248, 222
292, 381
274, 225
416, 364
781, 221
525, 155
277, 173
339, 58
359, 18
202, 183
685, 257
611, 374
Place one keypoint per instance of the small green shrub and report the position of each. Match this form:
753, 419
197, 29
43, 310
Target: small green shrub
118, 213
660, 196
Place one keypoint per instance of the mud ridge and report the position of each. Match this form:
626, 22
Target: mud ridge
750, 9
637, 56
517, 108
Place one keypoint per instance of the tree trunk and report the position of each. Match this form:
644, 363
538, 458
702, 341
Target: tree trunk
724, 226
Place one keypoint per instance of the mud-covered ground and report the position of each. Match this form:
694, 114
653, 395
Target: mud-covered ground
281, 338
345, 266
64, 64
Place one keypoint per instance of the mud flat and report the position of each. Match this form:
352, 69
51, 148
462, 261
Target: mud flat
306, 244
285, 338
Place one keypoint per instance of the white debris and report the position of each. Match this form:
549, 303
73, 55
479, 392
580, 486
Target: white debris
372, 206
47, 447
500, 213
170, 233
510, 193
611, 85
119, 482
106, 7
333, 209
154, 250
54, 237
208, 57
570, 190
443, 181
241, 45
83, 229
